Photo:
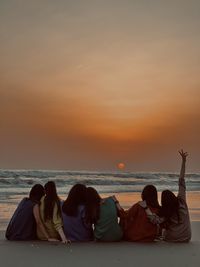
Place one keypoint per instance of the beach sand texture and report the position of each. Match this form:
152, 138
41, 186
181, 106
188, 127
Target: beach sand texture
38, 253
24, 254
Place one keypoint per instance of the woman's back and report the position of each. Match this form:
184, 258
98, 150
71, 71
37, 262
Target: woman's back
107, 227
178, 223
22, 225
138, 227
51, 225
179, 229
75, 227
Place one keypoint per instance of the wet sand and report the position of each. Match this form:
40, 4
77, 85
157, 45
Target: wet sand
38, 253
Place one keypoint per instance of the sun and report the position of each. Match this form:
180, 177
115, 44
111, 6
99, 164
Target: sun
121, 166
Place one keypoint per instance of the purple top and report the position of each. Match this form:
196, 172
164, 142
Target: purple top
75, 227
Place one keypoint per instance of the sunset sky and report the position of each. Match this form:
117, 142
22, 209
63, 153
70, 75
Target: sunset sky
87, 84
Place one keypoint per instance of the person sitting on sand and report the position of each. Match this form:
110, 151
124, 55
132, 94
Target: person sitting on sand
50, 213
73, 213
136, 224
103, 213
174, 211
22, 225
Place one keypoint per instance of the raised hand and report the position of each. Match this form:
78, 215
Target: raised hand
182, 187
183, 155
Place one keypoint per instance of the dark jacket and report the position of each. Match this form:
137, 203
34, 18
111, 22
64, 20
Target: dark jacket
22, 225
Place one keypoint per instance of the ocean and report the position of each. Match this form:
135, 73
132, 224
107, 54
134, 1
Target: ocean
20, 181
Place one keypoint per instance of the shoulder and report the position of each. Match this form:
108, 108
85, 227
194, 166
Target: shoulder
109, 200
135, 207
107, 203
26, 202
105, 200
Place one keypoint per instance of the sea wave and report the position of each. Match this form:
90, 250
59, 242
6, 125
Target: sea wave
126, 181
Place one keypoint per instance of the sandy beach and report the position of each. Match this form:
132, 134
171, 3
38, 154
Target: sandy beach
101, 254
161, 254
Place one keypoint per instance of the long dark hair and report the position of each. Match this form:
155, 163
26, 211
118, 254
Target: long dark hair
37, 191
93, 201
51, 199
76, 197
150, 195
170, 205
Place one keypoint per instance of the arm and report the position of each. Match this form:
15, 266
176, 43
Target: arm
182, 187
118, 206
154, 218
57, 221
63, 237
39, 223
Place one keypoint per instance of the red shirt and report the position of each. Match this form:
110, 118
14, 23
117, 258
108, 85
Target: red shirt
138, 227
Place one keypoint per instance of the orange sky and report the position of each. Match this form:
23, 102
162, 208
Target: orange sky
86, 85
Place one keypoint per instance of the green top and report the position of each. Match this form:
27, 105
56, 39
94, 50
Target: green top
107, 227
52, 226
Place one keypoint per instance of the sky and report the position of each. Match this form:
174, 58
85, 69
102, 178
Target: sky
87, 84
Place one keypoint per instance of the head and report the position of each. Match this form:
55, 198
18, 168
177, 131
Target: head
76, 197
50, 189
170, 204
93, 201
150, 195
51, 198
37, 191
